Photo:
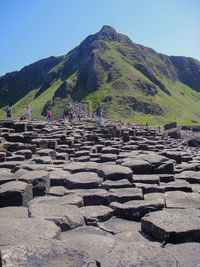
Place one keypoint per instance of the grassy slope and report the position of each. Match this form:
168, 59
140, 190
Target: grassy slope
182, 106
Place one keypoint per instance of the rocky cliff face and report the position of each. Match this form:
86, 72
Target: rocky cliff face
106, 65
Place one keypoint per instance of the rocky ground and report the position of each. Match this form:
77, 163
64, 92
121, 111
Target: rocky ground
75, 194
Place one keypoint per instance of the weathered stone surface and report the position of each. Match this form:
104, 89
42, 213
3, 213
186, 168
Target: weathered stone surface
66, 217
177, 185
136, 209
45, 253
14, 212
138, 166
95, 214
118, 225
69, 199
115, 172
173, 225
125, 194
58, 191
91, 240
137, 254
93, 197
19, 230
185, 254
58, 177
146, 179
83, 180
15, 194
40, 181
182, 200
124, 183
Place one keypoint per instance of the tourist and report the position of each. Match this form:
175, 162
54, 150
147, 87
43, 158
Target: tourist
8, 113
27, 114
48, 115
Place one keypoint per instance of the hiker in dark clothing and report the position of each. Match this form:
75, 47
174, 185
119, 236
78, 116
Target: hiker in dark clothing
8, 113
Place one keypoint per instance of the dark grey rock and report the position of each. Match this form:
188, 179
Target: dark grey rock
93, 197
83, 180
125, 194
69, 199
15, 194
182, 200
124, 183
20, 230
42, 253
138, 166
136, 209
147, 179
173, 225
66, 217
95, 214
115, 172
40, 181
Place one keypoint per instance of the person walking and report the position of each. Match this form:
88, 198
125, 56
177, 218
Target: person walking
27, 114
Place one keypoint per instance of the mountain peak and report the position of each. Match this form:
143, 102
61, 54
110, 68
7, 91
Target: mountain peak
108, 33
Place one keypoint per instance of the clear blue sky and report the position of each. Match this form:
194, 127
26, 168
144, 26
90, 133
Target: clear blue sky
34, 29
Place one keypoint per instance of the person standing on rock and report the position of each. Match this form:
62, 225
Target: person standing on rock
27, 114
48, 115
8, 113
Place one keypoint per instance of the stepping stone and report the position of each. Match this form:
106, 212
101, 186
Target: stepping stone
45, 253
146, 179
136, 209
124, 183
25, 152
137, 254
149, 188
91, 240
182, 200
118, 225
14, 212
173, 225
108, 157
125, 194
69, 199
75, 167
14, 231
138, 166
58, 191
66, 217
40, 181
43, 160
115, 172
190, 250
176, 186
83, 180
46, 152
92, 197
95, 214
15, 194
6, 177
58, 177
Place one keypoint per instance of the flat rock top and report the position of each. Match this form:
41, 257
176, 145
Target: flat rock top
173, 220
19, 230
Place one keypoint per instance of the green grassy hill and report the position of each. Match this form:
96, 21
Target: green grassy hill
131, 82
